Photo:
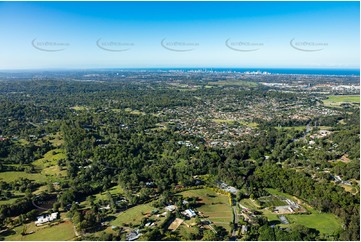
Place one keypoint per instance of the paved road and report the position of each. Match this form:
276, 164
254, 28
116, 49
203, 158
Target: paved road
236, 219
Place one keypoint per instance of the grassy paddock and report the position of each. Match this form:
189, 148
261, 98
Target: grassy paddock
62, 231
79, 108
298, 128
337, 100
50, 158
10, 176
56, 139
117, 190
135, 112
271, 201
324, 222
214, 206
132, 215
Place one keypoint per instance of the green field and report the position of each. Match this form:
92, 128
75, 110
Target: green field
48, 164
278, 193
56, 139
54, 171
270, 215
23, 141
10, 201
117, 190
135, 112
339, 99
133, 215
298, 128
324, 222
62, 231
184, 231
228, 121
10, 176
215, 206
50, 158
249, 124
271, 201
79, 108
325, 127
249, 203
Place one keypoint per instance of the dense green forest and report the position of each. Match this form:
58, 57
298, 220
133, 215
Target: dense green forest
73, 140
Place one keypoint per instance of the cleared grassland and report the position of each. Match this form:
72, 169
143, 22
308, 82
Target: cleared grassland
298, 128
135, 112
339, 99
50, 158
9, 201
214, 206
277, 193
117, 190
79, 108
271, 201
324, 222
10, 176
184, 231
270, 215
133, 215
56, 139
249, 124
349, 188
62, 231
54, 171
249, 203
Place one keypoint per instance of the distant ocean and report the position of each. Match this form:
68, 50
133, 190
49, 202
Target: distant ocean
296, 71
313, 71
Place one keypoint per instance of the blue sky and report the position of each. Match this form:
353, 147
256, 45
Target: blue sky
179, 34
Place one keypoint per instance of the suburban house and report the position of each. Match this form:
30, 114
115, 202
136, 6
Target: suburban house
46, 218
170, 208
133, 235
190, 213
